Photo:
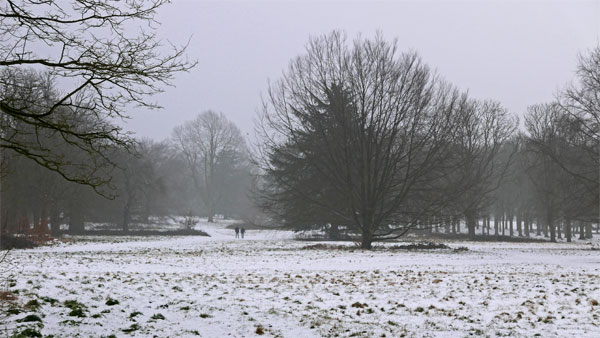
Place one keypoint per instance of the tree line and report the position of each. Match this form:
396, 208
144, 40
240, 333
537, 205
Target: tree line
356, 138
202, 170
360, 137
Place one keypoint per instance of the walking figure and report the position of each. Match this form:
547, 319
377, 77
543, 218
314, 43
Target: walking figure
243, 231
237, 232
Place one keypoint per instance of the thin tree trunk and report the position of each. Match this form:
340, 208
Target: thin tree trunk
550, 225
588, 228
568, 229
54, 221
496, 219
471, 221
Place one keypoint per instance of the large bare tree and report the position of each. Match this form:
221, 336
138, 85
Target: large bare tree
372, 124
205, 142
106, 56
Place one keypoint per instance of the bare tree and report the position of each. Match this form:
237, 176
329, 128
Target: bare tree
105, 63
483, 129
204, 143
372, 123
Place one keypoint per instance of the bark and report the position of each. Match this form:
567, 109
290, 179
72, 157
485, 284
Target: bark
550, 226
471, 221
367, 240
581, 230
126, 218
54, 221
568, 229
588, 230
496, 219
334, 232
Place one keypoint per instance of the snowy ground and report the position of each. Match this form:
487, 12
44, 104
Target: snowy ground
219, 286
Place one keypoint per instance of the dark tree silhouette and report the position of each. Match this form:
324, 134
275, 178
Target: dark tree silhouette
93, 48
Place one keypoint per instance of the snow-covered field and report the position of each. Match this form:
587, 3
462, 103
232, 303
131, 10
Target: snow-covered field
268, 284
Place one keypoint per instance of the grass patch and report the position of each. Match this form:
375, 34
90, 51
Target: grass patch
30, 318
50, 300
111, 301
28, 332
13, 311
157, 316
77, 309
132, 328
135, 314
33, 304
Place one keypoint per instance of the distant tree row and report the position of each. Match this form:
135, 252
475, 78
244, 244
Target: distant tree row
203, 170
363, 138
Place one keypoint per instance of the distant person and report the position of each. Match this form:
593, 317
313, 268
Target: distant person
243, 231
237, 232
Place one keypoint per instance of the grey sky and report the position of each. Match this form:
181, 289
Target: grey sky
517, 52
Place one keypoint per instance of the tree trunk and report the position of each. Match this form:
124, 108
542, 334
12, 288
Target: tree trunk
519, 227
366, 240
510, 224
471, 221
568, 229
126, 218
527, 225
588, 230
581, 230
550, 226
54, 221
483, 225
334, 233
496, 230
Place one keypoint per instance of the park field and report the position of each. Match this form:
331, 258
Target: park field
271, 285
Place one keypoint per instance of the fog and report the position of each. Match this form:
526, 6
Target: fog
317, 169
519, 53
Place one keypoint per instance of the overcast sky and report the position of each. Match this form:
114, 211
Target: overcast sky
517, 52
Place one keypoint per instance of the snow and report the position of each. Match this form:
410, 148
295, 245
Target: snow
219, 286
